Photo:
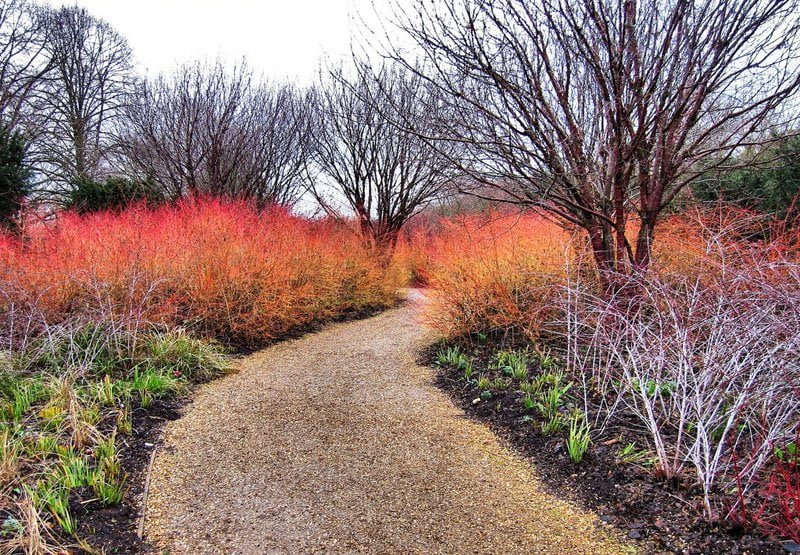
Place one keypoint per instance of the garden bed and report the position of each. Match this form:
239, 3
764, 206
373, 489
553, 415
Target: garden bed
115, 528
615, 483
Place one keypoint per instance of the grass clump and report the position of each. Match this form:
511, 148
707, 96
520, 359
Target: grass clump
579, 437
177, 353
65, 406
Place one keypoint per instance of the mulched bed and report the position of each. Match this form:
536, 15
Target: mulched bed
659, 515
114, 529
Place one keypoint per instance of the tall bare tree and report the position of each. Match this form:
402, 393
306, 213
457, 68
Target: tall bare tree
22, 66
602, 110
368, 150
82, 95
211, 130
22, 63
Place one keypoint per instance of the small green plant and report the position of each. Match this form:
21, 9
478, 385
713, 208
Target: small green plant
630, 454
124, 424
553, 425
547, 361
453, 357
178, 354
550, 400
579, 437
652, 387
483, 383
150, 384
528, 403
18, 395
108, 490
54, 499
106, 392
73, 471
512, 363
41, 446
530, 388
105, 452
789, 453
468, 371
499, 384
550, 379
449, 356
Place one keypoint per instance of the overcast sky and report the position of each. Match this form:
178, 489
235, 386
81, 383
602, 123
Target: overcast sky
280, 38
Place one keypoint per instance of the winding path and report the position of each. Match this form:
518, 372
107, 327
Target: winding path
339, 443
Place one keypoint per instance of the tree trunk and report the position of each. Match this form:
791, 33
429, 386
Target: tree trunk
644, 244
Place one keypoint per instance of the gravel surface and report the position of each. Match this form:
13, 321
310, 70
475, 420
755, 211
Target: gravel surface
339, 442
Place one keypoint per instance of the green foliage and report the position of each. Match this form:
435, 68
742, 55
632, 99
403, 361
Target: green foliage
182, 356
484, 383
114, 194
553, 425
18, 394
552, 395
512, 363
630, 454
530, 387
468, 371
652, 387
453, 357
789, 453
105, 391
579, 437
59, 425
92, 345
73, 470
105, 453
499, 384
548, 362
14, 175
123, 422
108, 490
150, 383
53, 498
528, 403
769, 180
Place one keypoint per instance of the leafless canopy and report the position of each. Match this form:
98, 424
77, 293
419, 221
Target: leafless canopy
209, 130
81, 96
599, 109
369, 151
21, 61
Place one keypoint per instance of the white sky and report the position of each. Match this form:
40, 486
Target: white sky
279, 38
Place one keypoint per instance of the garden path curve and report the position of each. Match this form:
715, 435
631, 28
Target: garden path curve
338, 442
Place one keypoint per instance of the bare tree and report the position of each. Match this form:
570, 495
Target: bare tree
369, 153
82, 95
22, 64
603, 110
210, 130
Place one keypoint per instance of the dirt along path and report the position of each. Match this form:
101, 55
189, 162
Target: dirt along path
338, 442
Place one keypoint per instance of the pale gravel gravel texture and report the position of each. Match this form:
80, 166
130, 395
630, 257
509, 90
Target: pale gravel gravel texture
339, 442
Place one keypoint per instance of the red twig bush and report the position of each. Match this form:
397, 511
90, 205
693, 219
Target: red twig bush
495, 273
222, 268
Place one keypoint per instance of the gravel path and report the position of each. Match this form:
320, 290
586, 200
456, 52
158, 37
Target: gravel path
338, 442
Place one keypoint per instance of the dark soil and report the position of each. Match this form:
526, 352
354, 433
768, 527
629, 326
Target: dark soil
114, 529
659, 515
